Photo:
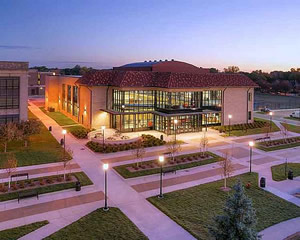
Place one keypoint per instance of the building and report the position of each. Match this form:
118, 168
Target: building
130, 99
36, 82
13, 91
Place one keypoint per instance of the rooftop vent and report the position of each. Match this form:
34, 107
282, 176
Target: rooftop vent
145, 61
160, 60
172, 60
149, 60
155, 61
166, 60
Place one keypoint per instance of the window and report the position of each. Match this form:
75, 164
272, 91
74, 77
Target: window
75, 101
249, 115
9, 118
9, 92
69, 103
63, 96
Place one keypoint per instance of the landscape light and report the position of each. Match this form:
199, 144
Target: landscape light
251, 143
64, 131
161, 159
105, 166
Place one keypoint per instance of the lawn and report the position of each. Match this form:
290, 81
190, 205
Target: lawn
18, 232
124, 172
252, 131
293, 118
42, 148
81, 176
278, 171
194, 208
100, 225
291, 128
59, 117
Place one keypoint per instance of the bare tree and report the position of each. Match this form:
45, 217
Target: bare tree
226, 168
7, 133
173, 147
139, 152
284, 130
266, 130
66, 158
203, 144
10, 165
29, 128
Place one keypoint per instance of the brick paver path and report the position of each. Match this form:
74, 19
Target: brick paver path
50, 206
143, 187
42, 170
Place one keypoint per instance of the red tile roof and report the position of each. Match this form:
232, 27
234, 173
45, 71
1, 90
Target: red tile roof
164, 79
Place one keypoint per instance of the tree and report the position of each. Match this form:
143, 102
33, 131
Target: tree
226, 169
203, 144
173, 146
213, 70
8, 132
284, 130
10, 165
239, 219
29, 128
66, 158
139, 152
232, 69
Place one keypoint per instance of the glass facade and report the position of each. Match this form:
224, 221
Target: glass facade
9, 118
75, 101
145, 110
69, 103
9, 92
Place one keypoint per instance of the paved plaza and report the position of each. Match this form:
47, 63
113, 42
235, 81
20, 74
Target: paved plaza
130, 194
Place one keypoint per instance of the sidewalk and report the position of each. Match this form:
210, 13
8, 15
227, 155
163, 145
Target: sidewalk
281, 230
152, 222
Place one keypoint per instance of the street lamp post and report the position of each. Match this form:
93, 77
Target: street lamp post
105, 168
229, 119
161, 161
64, 132
175, 128
271, 114
251, 144
103, 130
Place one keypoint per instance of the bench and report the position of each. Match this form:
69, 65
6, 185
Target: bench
19, 175
169, 170
27, 194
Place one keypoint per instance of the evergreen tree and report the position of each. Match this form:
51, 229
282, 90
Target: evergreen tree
239, 219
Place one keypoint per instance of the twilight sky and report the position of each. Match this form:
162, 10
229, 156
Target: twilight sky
252, 34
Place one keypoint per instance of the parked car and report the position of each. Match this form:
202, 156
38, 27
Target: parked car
265, 109
295, 114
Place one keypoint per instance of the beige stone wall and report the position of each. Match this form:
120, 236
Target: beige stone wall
100, 118
52, 90
23, 75
85, 106
235, 104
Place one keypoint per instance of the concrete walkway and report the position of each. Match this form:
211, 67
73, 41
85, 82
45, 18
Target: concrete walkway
281, 230
152, 222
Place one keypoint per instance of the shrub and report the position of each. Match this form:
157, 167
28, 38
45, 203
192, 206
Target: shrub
42, 181
21, 184
80, 133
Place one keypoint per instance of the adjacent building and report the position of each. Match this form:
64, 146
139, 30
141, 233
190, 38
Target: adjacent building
36, 82
13, 91
151, 95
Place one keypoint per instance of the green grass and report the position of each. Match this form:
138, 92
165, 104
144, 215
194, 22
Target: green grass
42, 148
100, 225
279, 147
18, 232
59, 117
81, 176
278, 171
239, 133
124, 172
291, 128
195, 207
293, 118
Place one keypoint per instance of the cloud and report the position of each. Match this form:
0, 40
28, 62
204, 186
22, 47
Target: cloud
12, 47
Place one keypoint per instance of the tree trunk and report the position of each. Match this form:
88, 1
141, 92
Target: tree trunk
5, 147
26, 143
225, 183
9, 182
64, 173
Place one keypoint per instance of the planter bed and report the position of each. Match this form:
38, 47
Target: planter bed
279, 144
148, 141
152, 166
278, 171
42, 184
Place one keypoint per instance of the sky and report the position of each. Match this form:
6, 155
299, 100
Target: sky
251, 34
